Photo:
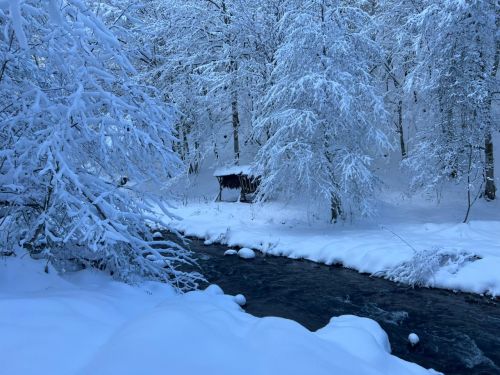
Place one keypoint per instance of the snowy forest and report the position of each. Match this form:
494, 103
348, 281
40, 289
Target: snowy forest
371, 128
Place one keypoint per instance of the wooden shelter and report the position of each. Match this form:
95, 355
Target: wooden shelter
237, 177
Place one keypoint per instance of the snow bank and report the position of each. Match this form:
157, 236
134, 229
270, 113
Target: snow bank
463, 257
54, 325
84, 323
217, 338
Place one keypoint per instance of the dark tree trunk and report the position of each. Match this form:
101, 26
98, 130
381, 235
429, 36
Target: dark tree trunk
335, 208
489, 173
400, 129
185, 142
197, 158
489, 168
236, 125
469, 198
233, 70
399, 122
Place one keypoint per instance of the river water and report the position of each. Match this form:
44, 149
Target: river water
459, 333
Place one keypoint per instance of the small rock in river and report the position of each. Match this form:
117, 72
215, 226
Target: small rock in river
230, 252
246, 253
240, 299
413, 339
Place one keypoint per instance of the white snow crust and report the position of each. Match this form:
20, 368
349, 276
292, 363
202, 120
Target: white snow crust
85, 323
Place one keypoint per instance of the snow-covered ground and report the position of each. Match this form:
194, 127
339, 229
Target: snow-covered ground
85, 323
412, 240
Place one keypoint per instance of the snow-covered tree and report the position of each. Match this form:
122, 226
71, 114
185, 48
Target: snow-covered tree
323, 113
457, 55
193, 50
395, 33
81, 143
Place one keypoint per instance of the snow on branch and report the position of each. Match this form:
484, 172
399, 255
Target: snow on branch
81, 140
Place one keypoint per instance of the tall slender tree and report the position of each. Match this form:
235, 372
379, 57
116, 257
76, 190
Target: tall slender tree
396, 33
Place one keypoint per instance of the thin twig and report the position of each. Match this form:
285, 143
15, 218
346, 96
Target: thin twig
401, 238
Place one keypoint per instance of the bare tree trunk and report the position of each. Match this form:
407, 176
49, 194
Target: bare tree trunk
236, 126
399, 123
400, 129
489, 173
185, 142
469, 200
335, 208
195, 164
177, 143
489, 170
233, 70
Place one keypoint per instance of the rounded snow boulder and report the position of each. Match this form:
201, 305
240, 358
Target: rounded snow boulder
413, 339
246, 253
230, 252
240, 299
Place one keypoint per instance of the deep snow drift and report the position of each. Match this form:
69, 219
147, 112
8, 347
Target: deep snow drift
85, 323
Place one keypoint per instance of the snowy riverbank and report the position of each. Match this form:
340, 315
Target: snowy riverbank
85, 323
440, 253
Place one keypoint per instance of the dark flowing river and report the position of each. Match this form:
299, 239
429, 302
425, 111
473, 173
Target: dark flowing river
459, 333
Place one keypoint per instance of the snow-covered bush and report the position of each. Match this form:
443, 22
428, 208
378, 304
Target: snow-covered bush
79, 140
423, 266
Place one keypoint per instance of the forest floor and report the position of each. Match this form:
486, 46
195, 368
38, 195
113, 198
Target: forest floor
411, 240
86, 323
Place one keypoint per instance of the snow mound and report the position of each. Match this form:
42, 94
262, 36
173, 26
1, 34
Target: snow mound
360, 332
240, 299
230, 252
85, 323
246, 253
233, 342
214, 290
